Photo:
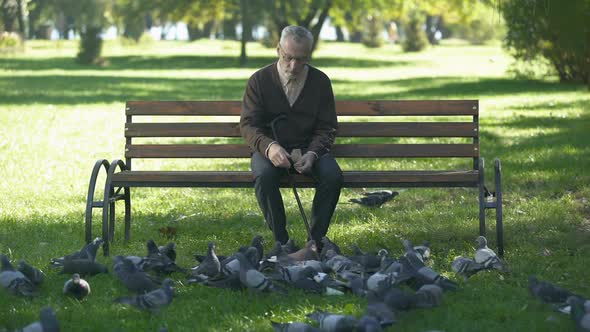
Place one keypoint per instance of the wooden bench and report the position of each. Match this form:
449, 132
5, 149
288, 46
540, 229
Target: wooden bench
451, 125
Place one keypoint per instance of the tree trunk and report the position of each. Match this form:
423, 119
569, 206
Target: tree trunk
8, 14
21, 21
245, 27
315, 30
194, 32
339, 34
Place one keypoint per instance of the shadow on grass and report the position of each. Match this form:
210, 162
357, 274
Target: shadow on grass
556, 161
184, 62
89, 89
456, 87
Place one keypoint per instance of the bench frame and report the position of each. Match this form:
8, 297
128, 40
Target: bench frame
120, 178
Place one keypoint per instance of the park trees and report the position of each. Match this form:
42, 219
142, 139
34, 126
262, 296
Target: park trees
555, 30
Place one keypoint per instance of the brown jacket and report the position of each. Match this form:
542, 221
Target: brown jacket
310, 123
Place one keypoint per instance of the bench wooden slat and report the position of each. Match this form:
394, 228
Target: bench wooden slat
343, 107
338, 150
356, 179
346, 129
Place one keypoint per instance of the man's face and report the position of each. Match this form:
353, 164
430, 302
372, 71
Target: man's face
293, 56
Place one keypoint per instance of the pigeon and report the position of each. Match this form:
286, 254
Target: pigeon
580, 312
309, 252
340, 263
548, 292
380, 281
397, 299
76, 287
379, 310
254, 279
35, 275
133, 278
328, 245
423, 274
257, 241
375, 198
333, 322
152, 301
14, 281
354, 282
169, 250
210, 266
371, 263
87, 252
290, 247
47, 323
231, 281
466, 267
158, 262
293, 327
231, 265
293, 273
368, 323
487, 257
428, 296
423, 250
82, 267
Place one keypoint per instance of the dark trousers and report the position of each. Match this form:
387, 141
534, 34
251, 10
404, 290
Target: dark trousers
328, 177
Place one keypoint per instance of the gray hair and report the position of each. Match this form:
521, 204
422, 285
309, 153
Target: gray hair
298, 33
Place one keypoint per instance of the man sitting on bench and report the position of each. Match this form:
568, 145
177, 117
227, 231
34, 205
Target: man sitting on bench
300, 100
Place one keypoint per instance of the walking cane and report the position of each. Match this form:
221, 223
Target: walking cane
290, 175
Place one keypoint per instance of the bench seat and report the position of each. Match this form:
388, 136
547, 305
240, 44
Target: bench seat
243, 179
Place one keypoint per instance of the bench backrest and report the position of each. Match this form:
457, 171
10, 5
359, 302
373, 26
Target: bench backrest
421, 123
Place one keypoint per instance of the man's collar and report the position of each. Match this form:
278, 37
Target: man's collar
284, 79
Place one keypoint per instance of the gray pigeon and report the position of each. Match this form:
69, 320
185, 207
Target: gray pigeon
379, 310
548, 292
328, 245
397, 299
375, 198
47, 323
158, 262
423, 274
169, 250
309, 252
423, 250
290, 247
257, 242
333, 322
254, 279
466, 267
152, 301
487, 257
580, 312
231, 265
231, 281
210, 266
368, 323
83, 267
340, 263
293, 327
134, 279
380, 281
371, 263
428, 296
35, 275
76, 287
87, 252
14, 281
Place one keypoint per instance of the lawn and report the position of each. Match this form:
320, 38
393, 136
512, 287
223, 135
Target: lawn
57, 118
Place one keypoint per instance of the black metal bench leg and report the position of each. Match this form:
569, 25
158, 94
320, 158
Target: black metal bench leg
482, 198
90, 203
108, 192
499, 222
127, 214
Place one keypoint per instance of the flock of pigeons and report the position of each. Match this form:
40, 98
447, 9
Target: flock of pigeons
319, 268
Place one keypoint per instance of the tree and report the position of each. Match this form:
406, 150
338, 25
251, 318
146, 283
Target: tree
556, 30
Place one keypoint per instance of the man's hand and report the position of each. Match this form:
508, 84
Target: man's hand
278, 156
304, 165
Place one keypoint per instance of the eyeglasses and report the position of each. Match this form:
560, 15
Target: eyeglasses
288, 58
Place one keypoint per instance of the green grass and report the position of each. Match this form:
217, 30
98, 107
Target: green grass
57, 118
